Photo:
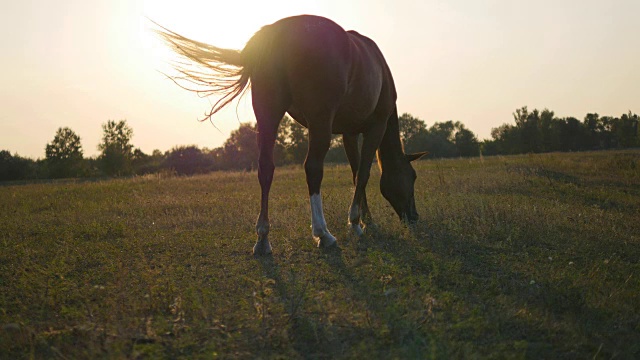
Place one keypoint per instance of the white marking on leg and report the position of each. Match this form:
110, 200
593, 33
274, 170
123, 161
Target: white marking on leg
319, 229
318, 223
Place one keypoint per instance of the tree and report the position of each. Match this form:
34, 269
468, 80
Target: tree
146, 164
594, 129
410, 126
440, 139
64, 154
529, 124
466, 141
607, 138
413, 132
571, 134
521, 115
116, 148
506, 139
626, 130
336, 153
189, 160
549, 139
297, 142
241, 148
281, 152
14, 167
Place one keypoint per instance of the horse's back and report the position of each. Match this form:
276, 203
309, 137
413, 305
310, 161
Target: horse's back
326, 69
316, 60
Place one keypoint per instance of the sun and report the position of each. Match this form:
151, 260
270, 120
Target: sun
227, 24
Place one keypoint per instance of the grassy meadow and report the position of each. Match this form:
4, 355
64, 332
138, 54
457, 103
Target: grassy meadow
532, 256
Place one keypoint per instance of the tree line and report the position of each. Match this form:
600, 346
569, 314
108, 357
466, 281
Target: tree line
541, 131
532, 132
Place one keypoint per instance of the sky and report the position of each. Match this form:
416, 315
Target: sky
80, 63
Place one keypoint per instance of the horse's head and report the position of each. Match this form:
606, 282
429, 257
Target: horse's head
397, 187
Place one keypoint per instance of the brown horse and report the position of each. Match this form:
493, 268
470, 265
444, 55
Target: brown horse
329, 80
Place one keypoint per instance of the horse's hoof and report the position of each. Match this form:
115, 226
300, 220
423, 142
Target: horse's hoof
262, 247
325, 240
357, 229
366, 219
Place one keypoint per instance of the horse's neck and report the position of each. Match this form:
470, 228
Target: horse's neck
390, 152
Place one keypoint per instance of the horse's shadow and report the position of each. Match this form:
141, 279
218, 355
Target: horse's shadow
311, 336
327, 340
557, 298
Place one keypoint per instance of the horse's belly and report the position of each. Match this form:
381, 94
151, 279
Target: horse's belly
346, 120
356, 112
350, 121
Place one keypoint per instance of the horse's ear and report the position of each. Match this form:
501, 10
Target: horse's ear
416, 156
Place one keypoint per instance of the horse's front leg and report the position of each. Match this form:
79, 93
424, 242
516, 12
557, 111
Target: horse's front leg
359, 209
350, 142
319, 141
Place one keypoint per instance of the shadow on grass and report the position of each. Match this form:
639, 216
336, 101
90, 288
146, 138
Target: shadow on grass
567, 324
588, 191
311, 335
456, 298
317, 331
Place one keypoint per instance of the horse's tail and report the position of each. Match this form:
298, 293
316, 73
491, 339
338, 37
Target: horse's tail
212, 70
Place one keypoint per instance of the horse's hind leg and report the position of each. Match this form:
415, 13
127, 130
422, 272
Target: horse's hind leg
268, 115
319, 141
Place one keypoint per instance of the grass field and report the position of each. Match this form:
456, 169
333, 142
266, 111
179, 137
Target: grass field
533, 256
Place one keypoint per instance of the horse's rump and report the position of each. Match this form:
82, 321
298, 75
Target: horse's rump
320, 64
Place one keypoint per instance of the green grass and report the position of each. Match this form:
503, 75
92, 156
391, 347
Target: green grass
534, 256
